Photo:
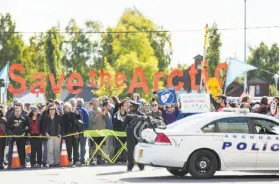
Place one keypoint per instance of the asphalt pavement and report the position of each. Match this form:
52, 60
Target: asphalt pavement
115, 174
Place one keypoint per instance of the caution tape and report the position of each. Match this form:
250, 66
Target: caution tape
40, 136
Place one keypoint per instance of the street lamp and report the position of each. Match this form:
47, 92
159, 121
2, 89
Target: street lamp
276, 79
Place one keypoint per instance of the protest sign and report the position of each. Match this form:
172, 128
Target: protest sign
194, 103
167, 97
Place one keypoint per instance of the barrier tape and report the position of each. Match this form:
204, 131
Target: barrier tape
91, 134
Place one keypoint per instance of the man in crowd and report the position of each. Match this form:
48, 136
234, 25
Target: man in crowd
155, 113
118, 125
112, 107
109, 148
73, 102
96, 123
85, 119
220, 103
58, 106
18, 125
131, 140
27, 107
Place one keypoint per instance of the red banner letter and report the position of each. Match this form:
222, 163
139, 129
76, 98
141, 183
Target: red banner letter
170, 78
192, 74
71, 84
102, 76
40, 83
142, 84
157, 77
56, 88
16, 78
119, 79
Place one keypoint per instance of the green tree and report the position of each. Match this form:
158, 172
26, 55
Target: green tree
264, 58
54, 54
113, 90
133, 20
273, 91
80, 48
213, 51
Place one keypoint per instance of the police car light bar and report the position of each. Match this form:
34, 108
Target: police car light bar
237, 110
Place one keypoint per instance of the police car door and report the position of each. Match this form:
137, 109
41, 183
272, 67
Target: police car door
232, 137
267, 134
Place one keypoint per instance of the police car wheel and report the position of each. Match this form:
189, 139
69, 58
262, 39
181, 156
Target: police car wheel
177, 172
202, 164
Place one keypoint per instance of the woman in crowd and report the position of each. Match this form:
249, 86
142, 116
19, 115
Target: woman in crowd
36, 143
116, 102
263, 109
3, 130
52, 126
70, 126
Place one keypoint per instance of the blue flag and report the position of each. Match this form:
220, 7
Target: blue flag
167, 97
236, 69
4, 74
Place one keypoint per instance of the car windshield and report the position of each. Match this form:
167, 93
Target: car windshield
187, 121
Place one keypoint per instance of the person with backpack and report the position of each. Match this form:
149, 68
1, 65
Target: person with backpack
84, 126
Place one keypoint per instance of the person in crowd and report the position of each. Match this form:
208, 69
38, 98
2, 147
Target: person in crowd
3, 132
135, 97
90, 106
27, 107
263, 109
18, 125
155, 113
96, 123
58, 106
36, 143
112, 106
24, 113
73, 102
10, 111
131, 140
52, 127
246, 103
70, 127
118, 125
220, 103
85, 120
116, 102
256, 108
146, 108
169, 114
109, 148
44, 114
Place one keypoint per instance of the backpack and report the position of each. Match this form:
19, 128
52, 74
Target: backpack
80, 122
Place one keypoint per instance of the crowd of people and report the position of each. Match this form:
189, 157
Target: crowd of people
44, 126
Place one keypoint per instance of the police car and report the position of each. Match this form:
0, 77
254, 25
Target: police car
216, 141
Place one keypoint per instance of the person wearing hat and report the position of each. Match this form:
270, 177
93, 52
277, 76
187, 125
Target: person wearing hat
220, 103
131, 140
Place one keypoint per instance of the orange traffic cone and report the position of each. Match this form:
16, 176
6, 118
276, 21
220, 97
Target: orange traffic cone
15, 158
63, 155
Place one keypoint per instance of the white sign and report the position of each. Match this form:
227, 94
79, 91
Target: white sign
252, 91
194, 103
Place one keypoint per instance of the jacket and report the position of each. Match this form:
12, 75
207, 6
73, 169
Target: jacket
129, 118
85, 117
118, 122
155, 115
169, 117
70, 123
95, 120
23, 125
46, 127
108, 121
3, 127
31, 121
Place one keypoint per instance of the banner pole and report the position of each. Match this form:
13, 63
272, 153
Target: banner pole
203, 59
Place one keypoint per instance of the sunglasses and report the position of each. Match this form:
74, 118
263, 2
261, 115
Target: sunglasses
52, 109
155, 105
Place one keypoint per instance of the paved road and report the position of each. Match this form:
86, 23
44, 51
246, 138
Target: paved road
116, 174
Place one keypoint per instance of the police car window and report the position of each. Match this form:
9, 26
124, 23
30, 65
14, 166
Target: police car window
209, 128
232, 125
264, 126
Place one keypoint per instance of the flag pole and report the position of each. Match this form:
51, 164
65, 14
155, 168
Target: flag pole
245, 58
6, 85
203, 59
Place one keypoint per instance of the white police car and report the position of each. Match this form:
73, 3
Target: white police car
205, 143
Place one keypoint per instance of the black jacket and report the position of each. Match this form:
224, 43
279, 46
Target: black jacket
22, 128
118, 121
46, 127
3, 127
70, 122
128, 121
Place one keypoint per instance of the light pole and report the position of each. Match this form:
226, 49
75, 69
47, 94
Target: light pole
245, 58
276, 78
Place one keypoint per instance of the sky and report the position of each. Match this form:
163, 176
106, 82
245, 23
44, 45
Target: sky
40, 15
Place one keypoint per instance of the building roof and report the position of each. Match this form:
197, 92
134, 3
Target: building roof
86, 94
